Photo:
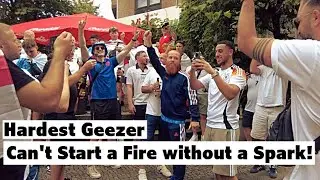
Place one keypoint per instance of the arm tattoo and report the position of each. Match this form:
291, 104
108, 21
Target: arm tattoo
260, 48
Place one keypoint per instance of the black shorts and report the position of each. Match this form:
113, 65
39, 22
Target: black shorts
105, 109
140, 113
247, 119
11, 172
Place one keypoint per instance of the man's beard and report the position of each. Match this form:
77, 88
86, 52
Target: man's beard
304, 36
172, 69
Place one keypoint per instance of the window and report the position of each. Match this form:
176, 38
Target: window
152, 2
143, 6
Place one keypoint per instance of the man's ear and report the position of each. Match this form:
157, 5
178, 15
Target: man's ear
230, 52
316, 18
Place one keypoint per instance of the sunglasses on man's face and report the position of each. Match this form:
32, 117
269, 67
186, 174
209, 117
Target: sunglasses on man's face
99, 48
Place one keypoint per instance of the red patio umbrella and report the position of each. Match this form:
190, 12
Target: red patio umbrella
45, 29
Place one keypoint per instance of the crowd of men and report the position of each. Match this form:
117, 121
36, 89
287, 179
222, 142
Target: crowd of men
164, 86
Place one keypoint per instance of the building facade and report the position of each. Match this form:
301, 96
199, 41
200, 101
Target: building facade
127, 10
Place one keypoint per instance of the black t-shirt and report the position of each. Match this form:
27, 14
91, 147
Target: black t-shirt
69, 115
19, 77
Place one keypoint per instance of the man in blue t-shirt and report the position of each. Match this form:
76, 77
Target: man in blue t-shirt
104, 104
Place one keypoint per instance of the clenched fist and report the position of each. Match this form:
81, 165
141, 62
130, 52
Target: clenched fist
64, 44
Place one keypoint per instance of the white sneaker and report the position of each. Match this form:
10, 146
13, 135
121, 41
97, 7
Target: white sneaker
164, 171
142, 174
93, 172
194, 137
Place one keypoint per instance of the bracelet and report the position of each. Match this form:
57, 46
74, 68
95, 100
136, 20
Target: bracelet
133, 40
215, 74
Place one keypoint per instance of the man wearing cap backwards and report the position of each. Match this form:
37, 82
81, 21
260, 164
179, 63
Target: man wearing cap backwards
104, 104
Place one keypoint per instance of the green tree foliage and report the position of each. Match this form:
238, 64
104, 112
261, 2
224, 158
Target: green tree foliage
205, 22
84, 6
154, 25
18, 11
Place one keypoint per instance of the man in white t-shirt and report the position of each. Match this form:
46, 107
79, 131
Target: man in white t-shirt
299, 62
270, 102
137, 101
114, 45
224, 86
252, 94
152, 86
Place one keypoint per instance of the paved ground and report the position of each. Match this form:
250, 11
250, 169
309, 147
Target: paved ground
131, 173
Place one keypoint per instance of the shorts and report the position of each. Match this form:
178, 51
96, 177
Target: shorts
247, 119
140, 113
203, 103
213, 134
104, 109
262, 120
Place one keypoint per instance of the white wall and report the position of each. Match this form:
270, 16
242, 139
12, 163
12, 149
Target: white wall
105, 8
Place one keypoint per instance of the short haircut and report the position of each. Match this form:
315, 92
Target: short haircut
227, 43
28, 44
181, 42
94, 36
313, 2
139, 54
113, 29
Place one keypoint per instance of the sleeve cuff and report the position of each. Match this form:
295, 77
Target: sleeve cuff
274, 55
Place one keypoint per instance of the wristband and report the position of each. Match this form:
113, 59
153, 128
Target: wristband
215, 74
133, 40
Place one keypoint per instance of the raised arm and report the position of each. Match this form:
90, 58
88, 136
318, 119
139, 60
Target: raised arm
248, 42
125, 51
82, 41
154, 59
229, 90
195, 84
65, 95
48, 92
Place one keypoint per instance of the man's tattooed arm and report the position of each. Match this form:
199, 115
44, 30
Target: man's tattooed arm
260, 48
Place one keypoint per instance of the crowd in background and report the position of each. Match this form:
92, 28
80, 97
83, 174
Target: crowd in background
167, 87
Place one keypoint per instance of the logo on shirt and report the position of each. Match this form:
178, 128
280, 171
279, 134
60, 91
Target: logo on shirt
108, 63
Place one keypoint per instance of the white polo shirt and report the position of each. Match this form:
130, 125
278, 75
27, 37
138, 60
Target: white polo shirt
222, 112
135, 76
299, 62
153, 101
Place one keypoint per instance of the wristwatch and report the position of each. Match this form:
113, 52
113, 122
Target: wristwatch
216, 73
